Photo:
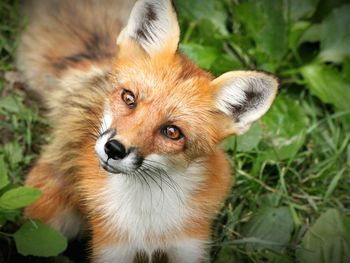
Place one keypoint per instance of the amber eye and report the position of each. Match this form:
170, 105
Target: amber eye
172, 132
129, 98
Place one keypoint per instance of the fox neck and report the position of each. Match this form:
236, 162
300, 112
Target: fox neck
149, 208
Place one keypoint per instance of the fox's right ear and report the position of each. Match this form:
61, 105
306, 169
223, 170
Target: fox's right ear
153, 25
244, 97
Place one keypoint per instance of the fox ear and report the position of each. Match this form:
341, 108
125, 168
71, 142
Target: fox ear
244, 96
153, 24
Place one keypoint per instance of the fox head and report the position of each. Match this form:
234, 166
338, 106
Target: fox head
163, 108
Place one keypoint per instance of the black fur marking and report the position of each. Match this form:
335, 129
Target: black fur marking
251, 101
237, 110
151, 15
144, 31
253, 97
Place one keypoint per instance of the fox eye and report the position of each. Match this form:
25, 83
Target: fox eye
172, 132
129, 98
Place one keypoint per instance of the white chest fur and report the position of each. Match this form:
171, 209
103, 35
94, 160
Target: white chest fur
142, 210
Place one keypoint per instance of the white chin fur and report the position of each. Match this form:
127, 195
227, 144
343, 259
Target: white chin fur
141, 206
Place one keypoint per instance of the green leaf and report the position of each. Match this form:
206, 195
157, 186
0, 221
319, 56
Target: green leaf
285, 127
224, 63
225, 255
297, 32
19, 197
301, 9
212, 11
11, 104
250, 139
312, 34
270, 199
201, 55
272, 225
328, 85
325, 7
13, 153
3, 173
37, 239
346, 70
273, 257
327, 241
268, 26
245, 142
10, 215
335, 35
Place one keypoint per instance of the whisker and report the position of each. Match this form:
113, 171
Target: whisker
149, 187
163, 175
149, 173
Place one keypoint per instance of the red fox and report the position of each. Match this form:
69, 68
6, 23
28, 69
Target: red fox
133, 154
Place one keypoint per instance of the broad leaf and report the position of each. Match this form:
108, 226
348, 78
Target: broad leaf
11, 104
346, 70
327, 241
212, 11
312, 34
10, 215
14, 153
285, 126
19, 197
226, 255
201, 55
297, 34
273, 257
224, 63
245, 142
335, 35
266, 23
301, 9
37, 239
325, 8
272, 225
3, 173
328, 84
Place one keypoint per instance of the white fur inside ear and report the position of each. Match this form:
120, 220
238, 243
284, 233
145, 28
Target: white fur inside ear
245, 96
152, 23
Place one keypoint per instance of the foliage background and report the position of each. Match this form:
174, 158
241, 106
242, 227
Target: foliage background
290, 201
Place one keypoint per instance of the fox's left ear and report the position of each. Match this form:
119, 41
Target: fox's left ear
244, 96
153, 25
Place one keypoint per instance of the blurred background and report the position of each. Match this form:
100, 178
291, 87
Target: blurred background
291, 197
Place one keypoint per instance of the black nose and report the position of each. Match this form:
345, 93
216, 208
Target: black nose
115, 150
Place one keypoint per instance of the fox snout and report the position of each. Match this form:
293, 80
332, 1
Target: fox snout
115, 150
115, 157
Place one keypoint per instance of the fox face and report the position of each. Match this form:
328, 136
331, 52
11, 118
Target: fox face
165, 109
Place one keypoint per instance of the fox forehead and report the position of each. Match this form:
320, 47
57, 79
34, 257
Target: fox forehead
173, 82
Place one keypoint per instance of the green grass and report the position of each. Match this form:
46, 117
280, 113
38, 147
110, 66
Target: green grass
290, 169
